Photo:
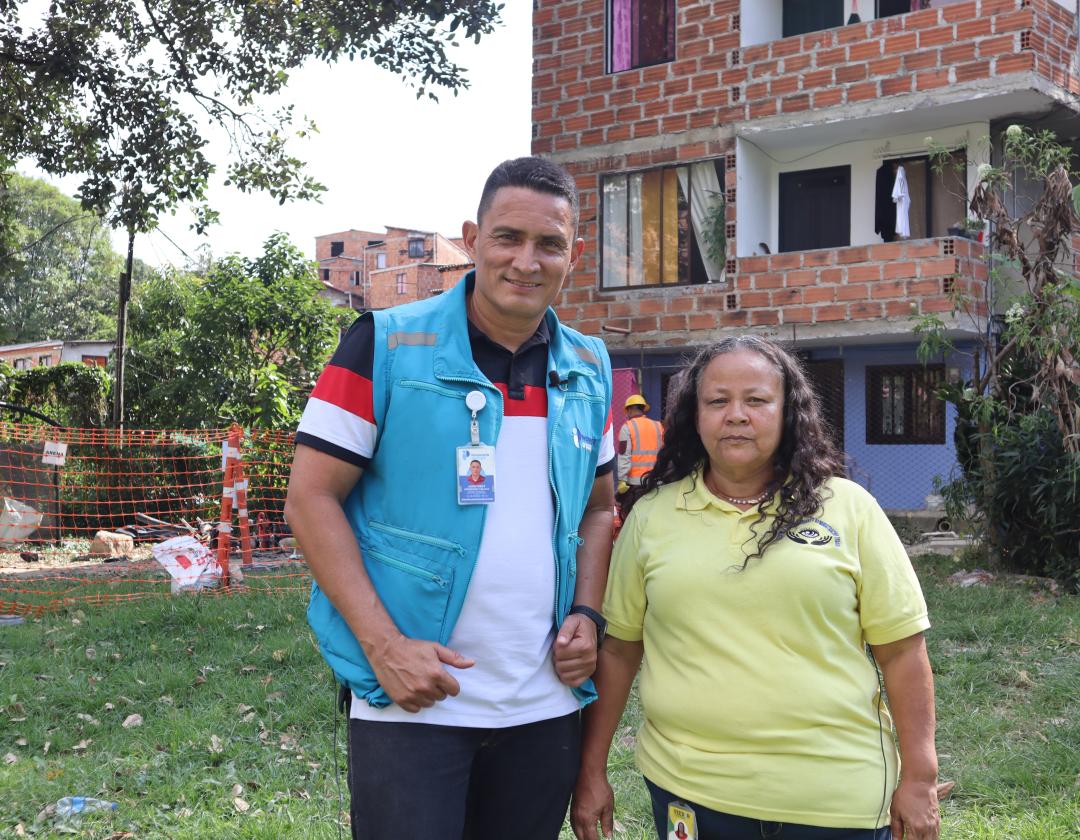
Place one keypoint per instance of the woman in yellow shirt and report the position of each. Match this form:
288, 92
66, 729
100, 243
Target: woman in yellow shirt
752, 580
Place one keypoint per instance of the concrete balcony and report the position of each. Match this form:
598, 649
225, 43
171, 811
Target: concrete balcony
862, 294
977, 49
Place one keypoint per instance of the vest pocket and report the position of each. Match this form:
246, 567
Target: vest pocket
431, 386
424, 539
415, 597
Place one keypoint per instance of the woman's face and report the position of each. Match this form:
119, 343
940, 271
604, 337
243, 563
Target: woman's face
741, 413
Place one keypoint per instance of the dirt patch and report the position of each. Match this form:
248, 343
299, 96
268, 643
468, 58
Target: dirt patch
60, 557
60, 561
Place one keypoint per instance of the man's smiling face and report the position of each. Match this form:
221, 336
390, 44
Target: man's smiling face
524, 249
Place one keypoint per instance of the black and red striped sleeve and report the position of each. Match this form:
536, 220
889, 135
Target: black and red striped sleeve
339, 417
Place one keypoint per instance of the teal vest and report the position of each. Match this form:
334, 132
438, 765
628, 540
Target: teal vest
419, 545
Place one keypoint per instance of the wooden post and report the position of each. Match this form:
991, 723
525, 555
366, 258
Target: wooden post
121, 331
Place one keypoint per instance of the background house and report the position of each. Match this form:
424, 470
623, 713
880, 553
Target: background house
47, 353
777, 127
376, 270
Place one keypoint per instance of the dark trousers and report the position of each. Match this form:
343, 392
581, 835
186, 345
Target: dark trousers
714, 825
430, 782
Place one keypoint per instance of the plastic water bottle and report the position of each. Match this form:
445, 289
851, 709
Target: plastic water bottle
72, 806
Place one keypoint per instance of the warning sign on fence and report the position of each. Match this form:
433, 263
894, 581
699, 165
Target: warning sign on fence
55, 453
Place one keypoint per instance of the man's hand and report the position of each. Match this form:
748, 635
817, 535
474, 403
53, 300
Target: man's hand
915, 811
411, 671
594, 801
575, 650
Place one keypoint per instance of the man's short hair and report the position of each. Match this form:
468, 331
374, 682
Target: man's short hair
534, 173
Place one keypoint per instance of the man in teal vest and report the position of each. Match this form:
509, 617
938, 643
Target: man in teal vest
464, 624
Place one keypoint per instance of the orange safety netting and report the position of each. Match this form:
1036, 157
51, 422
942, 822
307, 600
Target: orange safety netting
60, 487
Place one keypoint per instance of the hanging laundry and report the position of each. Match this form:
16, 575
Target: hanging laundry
902, 199
884, 209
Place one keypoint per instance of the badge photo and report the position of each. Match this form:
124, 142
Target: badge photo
475, 475
681, 822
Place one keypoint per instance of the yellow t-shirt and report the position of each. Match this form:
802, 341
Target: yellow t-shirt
759, 699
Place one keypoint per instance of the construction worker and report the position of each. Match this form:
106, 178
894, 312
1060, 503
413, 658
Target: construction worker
639, 441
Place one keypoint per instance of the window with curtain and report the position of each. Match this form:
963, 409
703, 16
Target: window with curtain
902, 404
640, 33
657, 223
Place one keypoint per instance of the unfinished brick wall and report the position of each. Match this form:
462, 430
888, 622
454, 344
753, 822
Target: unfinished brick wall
714, 82
888, 281
353, 240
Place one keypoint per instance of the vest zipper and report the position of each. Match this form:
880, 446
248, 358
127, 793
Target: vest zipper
420, 538
558, 506
408, 568
427, 386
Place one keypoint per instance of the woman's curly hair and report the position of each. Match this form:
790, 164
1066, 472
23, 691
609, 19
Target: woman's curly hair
805, 459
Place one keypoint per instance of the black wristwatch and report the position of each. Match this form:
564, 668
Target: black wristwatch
598, 620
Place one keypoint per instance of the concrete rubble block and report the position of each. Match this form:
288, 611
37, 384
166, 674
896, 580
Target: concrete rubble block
108, 544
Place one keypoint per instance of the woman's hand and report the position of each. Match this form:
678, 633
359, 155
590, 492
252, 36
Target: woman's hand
593, 802
914, 811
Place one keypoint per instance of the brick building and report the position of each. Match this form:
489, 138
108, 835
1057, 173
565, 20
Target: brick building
377, 270
736, 162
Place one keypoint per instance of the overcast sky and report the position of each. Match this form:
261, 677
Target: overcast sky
385, 157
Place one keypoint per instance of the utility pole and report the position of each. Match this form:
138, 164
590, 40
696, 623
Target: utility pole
121, 331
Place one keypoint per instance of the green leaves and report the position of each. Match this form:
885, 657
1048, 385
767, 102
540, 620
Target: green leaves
57, 267
71, 393
245, 343
127, 93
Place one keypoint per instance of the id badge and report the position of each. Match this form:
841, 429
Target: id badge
475, 474
681, 822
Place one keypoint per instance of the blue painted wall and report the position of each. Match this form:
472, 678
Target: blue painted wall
900, 476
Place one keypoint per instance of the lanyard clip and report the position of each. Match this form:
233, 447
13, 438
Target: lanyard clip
475, 402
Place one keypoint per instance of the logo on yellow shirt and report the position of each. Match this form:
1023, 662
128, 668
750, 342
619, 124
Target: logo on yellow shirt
813, 532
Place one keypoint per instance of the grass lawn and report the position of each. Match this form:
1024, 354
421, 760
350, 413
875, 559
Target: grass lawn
237, 730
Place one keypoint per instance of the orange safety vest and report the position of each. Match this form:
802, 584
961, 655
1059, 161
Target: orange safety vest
645, 438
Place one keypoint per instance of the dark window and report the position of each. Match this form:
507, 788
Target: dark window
666, 380
355, 277
902, 404
416, 248
827, 379
657, 225
801, 16
815, 209
337, 249
888, 8
326, 275
641, 33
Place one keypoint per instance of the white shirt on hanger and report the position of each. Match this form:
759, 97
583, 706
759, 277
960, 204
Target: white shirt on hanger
902, 199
